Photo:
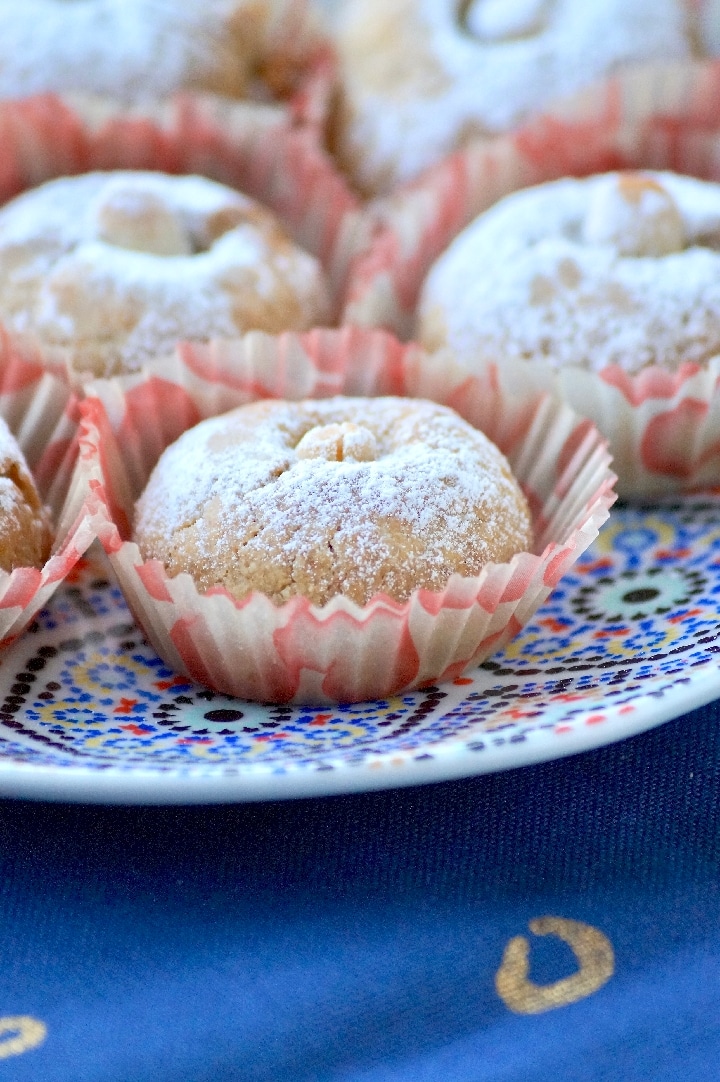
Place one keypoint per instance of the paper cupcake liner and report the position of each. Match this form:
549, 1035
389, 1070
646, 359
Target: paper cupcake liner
299, 652
41, 410
663, 428
260, 150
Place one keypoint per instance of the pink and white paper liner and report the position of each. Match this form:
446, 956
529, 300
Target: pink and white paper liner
41, 410
663, 428
299, 652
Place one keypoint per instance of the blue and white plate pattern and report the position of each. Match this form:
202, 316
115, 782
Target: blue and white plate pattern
629, 639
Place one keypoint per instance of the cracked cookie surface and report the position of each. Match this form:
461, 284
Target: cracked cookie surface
350, 496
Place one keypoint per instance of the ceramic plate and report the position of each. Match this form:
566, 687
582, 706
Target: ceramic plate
630, 639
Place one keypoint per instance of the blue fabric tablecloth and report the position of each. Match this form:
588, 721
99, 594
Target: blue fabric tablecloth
359, 938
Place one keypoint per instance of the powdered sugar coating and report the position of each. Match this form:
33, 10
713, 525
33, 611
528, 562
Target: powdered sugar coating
131, 50
119, 266
421, 76
551, 273
25, 533
233, 502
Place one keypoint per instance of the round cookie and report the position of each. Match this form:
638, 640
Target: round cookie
133, 50
318, 498
117, 267
25, 535
421, 77
616, 269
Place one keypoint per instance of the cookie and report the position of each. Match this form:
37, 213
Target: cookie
140, 50
340, 496
421, 77
25, 534
619, 269
117, 267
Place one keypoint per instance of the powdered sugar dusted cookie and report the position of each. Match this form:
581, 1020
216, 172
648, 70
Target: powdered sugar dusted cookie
118, 267
420, 77
346, 496
618, 269
134, 50
25, 534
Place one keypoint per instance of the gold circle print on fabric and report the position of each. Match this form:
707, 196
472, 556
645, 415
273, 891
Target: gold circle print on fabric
19, 1033
594, 955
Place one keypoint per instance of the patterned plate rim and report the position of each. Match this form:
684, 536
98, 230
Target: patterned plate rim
451, 760
661, 563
